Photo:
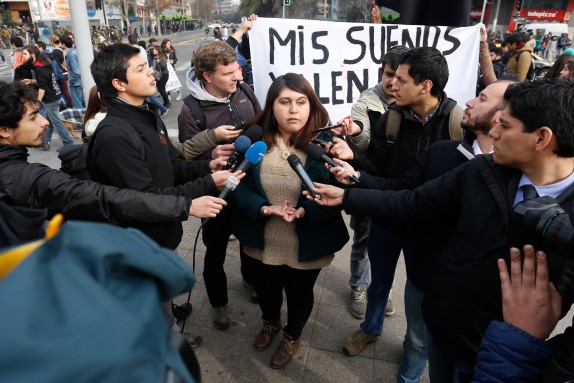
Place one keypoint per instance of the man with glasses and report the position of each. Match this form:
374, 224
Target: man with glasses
215, 88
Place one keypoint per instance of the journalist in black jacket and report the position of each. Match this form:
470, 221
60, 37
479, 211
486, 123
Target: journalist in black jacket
464, 292
38, 186
384, 160
439, 159
533, 145
154, 165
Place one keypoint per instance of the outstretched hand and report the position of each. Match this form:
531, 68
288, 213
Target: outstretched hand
206, 206
339, 148
220, 177
529, 301
330, 195
343, 171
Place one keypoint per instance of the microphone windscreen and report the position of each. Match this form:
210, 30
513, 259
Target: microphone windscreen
256, 152
293, 160
255, 133
315, 151
242, 143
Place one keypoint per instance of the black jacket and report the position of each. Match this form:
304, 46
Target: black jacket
429, 240
153, 165
412, 140
464, 294
38, 186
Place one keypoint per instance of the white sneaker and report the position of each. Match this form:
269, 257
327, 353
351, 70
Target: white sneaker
178, 97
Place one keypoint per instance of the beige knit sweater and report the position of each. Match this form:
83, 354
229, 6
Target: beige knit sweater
281, 183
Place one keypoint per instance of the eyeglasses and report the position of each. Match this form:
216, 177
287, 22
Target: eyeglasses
56, 41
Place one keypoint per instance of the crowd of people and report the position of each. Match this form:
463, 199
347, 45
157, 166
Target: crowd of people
416, 172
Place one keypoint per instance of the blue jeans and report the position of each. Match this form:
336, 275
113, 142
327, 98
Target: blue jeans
415, 343
157, 102
359, 256
384, 249
77, 94
52, 114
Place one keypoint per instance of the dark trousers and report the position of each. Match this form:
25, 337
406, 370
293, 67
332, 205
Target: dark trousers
66, 90
160, 84
270, 281
215, 238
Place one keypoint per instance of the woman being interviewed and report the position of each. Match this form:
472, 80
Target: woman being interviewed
289, 237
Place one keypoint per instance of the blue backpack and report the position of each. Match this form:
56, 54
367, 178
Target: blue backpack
85, 306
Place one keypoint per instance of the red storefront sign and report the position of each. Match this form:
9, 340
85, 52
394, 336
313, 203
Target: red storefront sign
542, 14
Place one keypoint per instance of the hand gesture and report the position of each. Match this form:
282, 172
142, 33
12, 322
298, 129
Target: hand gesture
339, 149
220, 177
348, 128
222, 151
330, 195
375, 12
529, 301
217, 164
343, 171
287, 212
226, 133
206, 206
483, 34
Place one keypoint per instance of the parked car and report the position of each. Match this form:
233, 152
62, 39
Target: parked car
541, 66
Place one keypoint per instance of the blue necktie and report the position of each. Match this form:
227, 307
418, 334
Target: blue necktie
528, 192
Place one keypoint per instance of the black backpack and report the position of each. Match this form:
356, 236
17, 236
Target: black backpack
197, 112
75, 158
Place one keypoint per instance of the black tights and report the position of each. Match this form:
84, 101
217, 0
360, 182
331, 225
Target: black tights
270, 281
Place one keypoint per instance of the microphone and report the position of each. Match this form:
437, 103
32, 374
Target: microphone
296, 165
318, 154
241, 144
254, 133
253, 155
230, 184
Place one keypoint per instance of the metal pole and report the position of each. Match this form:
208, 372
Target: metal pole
483, 9
104, 10
495, 21
81, 26
283, 8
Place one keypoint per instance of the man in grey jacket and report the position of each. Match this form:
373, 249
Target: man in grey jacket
224, 105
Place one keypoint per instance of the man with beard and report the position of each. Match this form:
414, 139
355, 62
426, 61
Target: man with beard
533, 149
479, 117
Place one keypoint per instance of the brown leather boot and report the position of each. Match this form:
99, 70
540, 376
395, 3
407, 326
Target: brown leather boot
285, 352
266, 335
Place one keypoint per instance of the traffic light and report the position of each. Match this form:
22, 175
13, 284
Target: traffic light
287, 2
518, 5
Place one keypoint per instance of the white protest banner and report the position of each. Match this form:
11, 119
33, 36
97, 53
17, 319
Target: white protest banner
340, 60
172, 81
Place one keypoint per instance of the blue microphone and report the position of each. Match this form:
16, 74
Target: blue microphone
253, 155
241, 144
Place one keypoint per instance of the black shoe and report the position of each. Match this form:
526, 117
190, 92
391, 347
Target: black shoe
181, 312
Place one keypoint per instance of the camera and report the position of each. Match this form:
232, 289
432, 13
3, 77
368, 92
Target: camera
542, 223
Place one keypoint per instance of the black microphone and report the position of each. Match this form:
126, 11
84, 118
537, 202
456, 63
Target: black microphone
318, 154
241, 144
254, 133
296, 165
230, 184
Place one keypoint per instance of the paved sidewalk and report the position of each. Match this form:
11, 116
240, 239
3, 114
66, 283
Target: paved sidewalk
229, 356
